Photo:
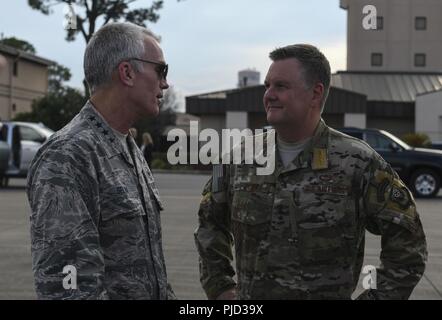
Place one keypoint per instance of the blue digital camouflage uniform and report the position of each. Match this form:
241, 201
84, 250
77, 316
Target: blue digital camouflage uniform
299, 233
93, 209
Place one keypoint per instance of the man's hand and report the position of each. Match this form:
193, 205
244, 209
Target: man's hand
228, 295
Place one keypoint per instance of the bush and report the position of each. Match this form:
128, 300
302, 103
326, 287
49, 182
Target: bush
159, 164
419, 140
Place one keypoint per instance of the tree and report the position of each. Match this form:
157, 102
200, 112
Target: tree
18, 44
55, 109
170, 100
94, 11
417, 139
57, 75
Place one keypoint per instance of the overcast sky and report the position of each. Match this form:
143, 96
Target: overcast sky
205, 42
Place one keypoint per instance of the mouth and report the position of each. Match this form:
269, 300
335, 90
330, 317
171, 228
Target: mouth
160, 99
273, 107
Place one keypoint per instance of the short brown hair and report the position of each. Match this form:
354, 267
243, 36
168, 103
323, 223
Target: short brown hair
315, 64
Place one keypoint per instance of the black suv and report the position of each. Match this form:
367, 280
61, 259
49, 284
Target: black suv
420, 169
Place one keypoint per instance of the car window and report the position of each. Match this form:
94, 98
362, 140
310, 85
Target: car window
378, 142
354, 134
3, 132
30, 134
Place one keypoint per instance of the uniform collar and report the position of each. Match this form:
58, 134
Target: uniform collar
315, 154
111, 143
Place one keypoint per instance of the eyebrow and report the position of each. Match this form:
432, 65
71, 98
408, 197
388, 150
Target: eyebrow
278, 81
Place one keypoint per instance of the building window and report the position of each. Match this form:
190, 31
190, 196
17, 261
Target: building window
420, 23
379, 23
420, 60
376, 59
14, 107
15, 68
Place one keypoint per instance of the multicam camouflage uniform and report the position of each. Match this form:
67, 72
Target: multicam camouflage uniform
299, 233
93, 209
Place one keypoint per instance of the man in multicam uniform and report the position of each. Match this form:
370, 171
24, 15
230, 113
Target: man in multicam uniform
299, 233
94, 202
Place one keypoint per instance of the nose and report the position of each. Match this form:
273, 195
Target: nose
163, 84
269, 95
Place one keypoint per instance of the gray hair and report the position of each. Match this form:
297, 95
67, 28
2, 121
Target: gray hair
316, 67
113, 43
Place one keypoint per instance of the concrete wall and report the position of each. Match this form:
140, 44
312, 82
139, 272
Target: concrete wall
395, 126
358, 120
398, 41
429, 115
236, 120
30, 83
334, 120
257, 120
212, 121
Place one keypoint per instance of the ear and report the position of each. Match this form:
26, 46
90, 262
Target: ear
126, 74
318, 94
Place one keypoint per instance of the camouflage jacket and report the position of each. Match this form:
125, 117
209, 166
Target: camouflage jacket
91, 211
299, 233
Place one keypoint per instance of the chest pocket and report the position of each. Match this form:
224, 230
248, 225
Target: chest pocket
251, 211
252, 197
120, 197
326, 214
153, 191
251, 214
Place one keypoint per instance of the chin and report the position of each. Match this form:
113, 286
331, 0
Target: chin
152, 111
272, 120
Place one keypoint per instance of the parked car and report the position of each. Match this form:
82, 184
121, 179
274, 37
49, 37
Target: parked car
436, 145
4, 157
419, 168
20, 142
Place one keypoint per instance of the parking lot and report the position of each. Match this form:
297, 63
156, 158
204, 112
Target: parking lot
181, 195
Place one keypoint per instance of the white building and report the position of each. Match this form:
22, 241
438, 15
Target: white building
407, 38
429, 114
395, 63
248, 78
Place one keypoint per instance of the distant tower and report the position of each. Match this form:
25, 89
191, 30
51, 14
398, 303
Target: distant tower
248, 78
407, 37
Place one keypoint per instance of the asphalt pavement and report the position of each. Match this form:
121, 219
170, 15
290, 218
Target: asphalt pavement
181, 194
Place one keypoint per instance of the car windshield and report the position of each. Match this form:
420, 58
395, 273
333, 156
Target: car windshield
397, 140
47, 131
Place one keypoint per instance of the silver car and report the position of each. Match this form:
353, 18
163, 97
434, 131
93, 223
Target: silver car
23, 139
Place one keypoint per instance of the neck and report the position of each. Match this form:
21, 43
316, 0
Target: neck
113, 109
290, 134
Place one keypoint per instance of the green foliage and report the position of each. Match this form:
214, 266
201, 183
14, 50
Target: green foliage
18, 44
58, 74
159, 164
418, 140
55, 109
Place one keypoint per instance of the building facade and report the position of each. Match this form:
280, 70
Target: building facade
23, 78
243, 108
407, 37
429, 114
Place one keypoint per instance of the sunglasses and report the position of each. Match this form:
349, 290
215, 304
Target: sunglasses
162, 69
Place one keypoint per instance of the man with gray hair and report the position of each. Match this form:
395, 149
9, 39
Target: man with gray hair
95, 221
299, 232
